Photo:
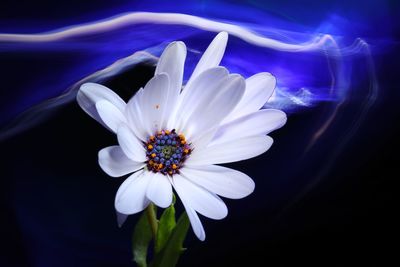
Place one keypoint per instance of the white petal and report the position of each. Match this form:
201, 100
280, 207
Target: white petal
199, 93
194, 219
213, 55
259, 89
110, 115
134, 115
130, 144
115, 163
172, 62
201, 200
90, 93
230, 151
204, 139
131, 195
154, 102
258, 123
215, 108
121, 218
222, 181
159, 190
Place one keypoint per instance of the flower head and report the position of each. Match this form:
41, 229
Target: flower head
172, 137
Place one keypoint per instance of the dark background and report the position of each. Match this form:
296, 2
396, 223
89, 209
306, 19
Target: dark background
311, 208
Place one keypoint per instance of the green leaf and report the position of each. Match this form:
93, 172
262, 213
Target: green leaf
169, 255
142, 235
166, 224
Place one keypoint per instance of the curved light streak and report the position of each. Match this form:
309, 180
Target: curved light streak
321, 43
167, 18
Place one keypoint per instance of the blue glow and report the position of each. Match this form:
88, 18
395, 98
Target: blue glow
311, 65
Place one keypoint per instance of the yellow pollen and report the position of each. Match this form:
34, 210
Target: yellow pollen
174, 166
170, 172
151, 162
160, 165
150, 147
167, 132
183, 142
186, 151
153, 155
182, 137
152, 138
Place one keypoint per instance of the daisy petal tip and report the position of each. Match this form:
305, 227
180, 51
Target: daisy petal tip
122, 128
85, 88
160, 202
158, 81
222, 36
251, 188
272, 79
100, 104
246, 190
93, 90
80, 98
278, 116
131, 196
202, 237
115, 163
237, 78
224, 215
266, 74
163, 76
110, 114
159, 191
217, 69
213, 54
165, 204
265, 77
283, 119
177, 44
199, 232
86, 96
102, 160
269, 142
180, 45
195, 222
89, 94
240, 83
121, 218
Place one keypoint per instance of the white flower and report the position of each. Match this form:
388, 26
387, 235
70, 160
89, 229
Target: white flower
169, 137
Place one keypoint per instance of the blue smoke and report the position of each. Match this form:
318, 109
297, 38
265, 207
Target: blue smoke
312, 65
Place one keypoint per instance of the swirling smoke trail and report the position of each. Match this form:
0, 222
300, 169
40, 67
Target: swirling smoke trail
289, 95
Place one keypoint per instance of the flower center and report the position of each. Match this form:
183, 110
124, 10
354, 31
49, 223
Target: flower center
166, 152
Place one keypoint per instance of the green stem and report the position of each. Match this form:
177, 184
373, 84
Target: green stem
152, 217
